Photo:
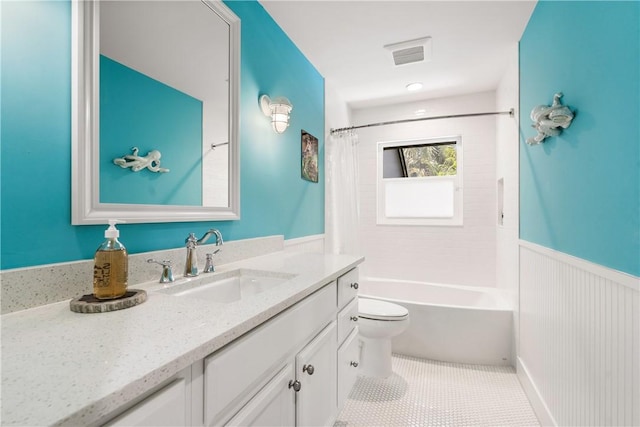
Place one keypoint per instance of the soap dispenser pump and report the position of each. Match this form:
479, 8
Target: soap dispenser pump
111, 266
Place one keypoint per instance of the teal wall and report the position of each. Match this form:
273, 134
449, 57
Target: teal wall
138, 111
580, 191
35, 187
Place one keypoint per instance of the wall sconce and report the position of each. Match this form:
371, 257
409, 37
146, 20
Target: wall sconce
278, 109
547, 119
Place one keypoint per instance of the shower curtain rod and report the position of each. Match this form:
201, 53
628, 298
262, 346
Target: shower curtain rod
452, 116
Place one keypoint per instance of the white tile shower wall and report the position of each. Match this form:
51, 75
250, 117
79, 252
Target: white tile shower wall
579, 355
455, 255
507, 143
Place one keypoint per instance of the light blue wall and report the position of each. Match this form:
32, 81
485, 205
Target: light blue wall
155, 117
35, 198
580, 192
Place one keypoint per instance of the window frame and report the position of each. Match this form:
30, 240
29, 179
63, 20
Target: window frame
457, 180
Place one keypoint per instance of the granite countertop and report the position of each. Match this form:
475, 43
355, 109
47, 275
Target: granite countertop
66, 368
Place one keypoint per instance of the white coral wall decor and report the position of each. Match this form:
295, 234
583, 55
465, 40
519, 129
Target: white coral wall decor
549, 120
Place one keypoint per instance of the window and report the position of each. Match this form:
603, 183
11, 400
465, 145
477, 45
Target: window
419, 182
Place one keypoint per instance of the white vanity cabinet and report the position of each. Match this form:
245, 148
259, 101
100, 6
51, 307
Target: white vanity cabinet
302, 393
250, 381
295, 369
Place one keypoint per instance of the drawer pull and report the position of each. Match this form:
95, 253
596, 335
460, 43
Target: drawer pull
354, 285
295, 385
354, 364
308, 369
354, 318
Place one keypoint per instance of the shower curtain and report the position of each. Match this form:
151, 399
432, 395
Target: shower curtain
342, 194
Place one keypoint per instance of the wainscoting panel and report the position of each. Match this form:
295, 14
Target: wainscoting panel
313, 243
579, 339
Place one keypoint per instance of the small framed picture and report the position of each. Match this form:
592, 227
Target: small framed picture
309, 146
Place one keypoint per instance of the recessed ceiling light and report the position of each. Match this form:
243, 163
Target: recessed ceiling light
414, 86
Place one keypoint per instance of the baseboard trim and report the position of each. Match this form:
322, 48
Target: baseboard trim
537, 403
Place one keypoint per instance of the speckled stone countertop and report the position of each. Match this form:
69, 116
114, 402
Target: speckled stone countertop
66, 368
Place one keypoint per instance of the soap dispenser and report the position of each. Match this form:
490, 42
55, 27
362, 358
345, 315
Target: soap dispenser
111, 266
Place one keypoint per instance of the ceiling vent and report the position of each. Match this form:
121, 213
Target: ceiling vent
410, 51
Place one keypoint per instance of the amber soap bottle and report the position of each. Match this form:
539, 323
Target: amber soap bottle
111, 266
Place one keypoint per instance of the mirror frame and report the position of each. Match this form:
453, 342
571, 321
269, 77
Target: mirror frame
85, 129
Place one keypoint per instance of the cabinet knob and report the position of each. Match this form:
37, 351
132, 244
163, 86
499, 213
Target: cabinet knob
354, 318
354, 364
295, 385
308, 369
354, 285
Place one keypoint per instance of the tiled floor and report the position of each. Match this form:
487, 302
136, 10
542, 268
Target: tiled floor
429, 393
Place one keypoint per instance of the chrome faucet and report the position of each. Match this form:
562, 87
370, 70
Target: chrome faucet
191, 264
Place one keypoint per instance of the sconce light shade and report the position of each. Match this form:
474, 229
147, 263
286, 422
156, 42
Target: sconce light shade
278, 109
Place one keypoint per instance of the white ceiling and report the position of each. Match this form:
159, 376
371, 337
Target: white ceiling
344, 40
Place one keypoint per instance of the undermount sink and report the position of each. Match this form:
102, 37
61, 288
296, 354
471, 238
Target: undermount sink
228, 286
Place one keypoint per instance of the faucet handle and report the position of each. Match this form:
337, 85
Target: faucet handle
208, 266
167, 271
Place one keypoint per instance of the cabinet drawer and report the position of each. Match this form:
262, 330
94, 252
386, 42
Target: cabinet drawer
233, 374
348, 361
347, 287
166, 407
347, 320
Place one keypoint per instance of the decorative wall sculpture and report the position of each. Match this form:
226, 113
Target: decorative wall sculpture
547, 119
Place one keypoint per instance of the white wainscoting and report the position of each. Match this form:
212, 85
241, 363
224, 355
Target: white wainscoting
579, 354
313, 243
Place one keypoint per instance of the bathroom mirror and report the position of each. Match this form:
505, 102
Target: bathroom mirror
155, 88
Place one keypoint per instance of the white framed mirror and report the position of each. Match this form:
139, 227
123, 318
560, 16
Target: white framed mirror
155, 85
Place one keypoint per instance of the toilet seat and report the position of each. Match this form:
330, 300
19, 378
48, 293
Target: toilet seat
381, 310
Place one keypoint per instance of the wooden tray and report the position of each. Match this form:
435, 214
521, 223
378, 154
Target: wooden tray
91, 304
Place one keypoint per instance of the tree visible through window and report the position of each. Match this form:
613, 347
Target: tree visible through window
429, 160
414, 161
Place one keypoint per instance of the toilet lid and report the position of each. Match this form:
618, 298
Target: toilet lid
381, 310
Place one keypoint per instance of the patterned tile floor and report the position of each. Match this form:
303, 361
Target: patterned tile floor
428, 393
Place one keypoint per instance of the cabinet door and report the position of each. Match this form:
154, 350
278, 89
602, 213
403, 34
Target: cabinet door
274, 405
348, 361
316, 369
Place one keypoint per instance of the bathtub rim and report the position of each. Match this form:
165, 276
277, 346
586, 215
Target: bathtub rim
496, 294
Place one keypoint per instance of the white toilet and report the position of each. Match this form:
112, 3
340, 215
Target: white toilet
378, 322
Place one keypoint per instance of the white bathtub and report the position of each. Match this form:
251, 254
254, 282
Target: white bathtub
450, 323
